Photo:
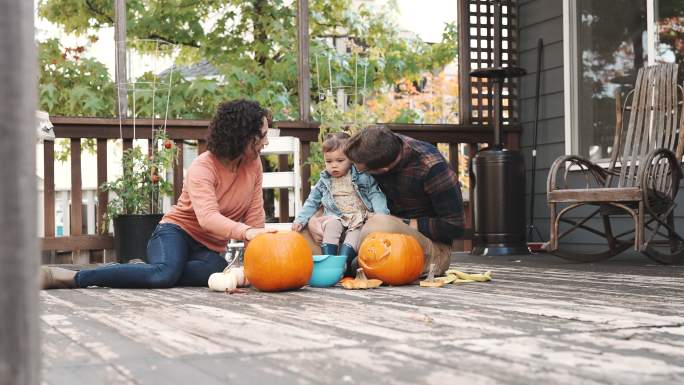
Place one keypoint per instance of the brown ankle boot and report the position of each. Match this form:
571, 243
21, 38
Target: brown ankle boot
57, 278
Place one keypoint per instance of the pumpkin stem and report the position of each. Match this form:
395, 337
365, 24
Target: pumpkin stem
360, 275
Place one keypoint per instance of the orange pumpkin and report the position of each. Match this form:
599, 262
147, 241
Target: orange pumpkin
396, 259
278, 261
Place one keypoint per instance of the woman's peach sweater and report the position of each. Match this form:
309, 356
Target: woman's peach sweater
218, 204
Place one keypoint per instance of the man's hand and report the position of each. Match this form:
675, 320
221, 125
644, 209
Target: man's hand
252, 232
297, 227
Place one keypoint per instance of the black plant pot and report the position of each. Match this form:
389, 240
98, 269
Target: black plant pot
131, 233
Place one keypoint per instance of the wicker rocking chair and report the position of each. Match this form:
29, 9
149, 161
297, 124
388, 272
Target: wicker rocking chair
642, 178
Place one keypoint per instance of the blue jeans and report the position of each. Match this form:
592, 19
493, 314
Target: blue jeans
174, 259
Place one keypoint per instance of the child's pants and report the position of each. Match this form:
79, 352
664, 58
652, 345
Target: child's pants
332, 232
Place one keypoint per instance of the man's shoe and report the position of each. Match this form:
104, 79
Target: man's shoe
57, 278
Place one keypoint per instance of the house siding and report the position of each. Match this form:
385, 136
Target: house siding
541, 19
544, 18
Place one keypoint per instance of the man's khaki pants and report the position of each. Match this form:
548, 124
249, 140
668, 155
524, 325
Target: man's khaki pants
435, 252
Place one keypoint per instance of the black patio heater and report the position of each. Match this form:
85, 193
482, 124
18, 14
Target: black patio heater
498, 174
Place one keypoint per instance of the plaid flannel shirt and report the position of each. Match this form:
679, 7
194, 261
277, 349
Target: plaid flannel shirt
424, 187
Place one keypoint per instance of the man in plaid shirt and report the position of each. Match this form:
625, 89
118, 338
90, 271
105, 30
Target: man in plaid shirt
423, 192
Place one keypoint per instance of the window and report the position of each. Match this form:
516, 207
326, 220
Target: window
603, 50
668, 31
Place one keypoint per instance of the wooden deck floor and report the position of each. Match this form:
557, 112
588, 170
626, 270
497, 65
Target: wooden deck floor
536, 323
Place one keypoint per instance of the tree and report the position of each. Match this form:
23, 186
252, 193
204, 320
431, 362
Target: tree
72, 85
250, 43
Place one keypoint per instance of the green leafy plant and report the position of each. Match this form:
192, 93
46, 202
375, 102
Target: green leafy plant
248, 42
141, 187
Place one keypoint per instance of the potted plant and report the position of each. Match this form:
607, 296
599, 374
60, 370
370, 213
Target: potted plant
136, 205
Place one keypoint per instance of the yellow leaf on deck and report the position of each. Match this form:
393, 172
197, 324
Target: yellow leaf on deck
483, 277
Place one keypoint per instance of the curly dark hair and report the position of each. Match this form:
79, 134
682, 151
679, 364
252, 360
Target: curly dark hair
234, 127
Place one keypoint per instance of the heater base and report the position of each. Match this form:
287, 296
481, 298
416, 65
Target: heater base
500, 250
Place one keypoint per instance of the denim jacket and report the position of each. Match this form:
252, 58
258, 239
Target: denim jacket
364, 184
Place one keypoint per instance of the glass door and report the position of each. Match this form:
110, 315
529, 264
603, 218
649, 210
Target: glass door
611, 46
669, 31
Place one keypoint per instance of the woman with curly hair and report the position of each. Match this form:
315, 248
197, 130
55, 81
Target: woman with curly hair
221, 200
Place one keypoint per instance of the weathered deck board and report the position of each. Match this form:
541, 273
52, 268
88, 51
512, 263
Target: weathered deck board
532, 324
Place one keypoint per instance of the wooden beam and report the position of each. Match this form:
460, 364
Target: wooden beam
190, 129
306, 170
76, 191
464, 63
120, 56
624, 194
284, 202
512, 141
171, 124
150, 147
178, 172
441, 133
107, 128
304, 75
19, 252
49, 187
78, 242
453, 157
102, 196
470, 209
127, 144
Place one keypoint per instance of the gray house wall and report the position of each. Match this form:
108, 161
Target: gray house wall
541, 19
544, 19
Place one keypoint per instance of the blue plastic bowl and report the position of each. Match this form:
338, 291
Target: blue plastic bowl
327, 270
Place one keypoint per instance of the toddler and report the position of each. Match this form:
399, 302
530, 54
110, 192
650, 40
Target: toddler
348, 198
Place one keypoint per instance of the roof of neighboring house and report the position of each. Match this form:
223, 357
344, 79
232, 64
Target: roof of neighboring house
201, 69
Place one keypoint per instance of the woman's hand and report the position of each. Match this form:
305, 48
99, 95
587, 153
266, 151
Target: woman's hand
252, 232
297, 227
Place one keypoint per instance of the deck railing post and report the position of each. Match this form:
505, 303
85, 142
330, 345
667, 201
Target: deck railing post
19, 256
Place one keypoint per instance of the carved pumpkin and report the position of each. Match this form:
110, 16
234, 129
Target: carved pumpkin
278, 261
396, 259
